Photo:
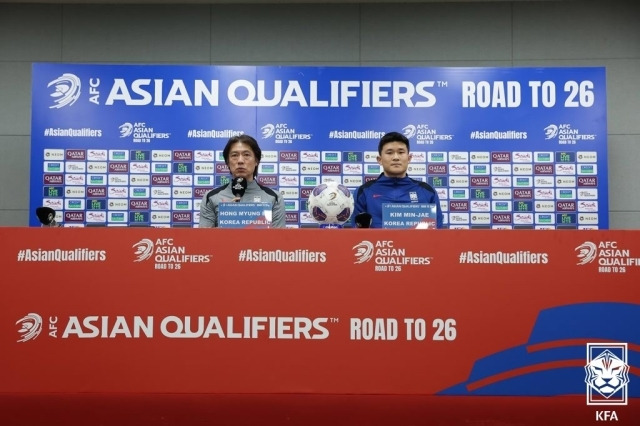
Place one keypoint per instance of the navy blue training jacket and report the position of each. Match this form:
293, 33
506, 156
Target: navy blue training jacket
370, 196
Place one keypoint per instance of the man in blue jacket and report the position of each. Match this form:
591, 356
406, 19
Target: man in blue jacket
393, 185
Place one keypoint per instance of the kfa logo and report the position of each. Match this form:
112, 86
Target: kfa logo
607, 375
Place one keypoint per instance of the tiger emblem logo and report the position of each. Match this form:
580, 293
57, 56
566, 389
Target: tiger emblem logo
606, 374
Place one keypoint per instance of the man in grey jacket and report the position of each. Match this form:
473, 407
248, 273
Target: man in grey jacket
242, 155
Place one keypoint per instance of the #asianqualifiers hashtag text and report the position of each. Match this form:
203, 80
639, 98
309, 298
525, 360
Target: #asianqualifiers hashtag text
518, 257
249, 255
59, 255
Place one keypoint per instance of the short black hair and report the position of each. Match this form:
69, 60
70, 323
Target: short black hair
392, 137
253, 144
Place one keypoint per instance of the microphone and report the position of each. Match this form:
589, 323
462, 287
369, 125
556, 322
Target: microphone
363, 220
238, 186
46, 216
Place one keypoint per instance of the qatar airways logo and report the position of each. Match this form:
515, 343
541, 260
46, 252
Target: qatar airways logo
160, 180
290, 156
181, 217
268, 180
182, 155
222, 168
66, 90
479, 181
501, 218
501, 157
331, 168
566, 206
75, 154
118, 167
519, 193
74, 216
139, 204
455, 206
543, 169
587, 181
51, 179
437, 169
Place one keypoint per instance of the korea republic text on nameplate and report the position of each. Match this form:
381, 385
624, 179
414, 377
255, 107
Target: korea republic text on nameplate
409, 215
244, 215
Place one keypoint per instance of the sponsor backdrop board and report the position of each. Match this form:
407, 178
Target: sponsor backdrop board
144, 310
139, 145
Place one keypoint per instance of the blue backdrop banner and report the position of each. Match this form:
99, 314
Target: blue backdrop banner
139, 145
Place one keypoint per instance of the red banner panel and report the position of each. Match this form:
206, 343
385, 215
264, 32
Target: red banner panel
322, 312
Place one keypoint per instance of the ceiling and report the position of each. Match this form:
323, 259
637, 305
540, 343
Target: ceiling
252, 1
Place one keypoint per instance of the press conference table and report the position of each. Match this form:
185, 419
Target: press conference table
303, 327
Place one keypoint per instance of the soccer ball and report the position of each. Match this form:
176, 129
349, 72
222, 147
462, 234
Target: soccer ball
331, 203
